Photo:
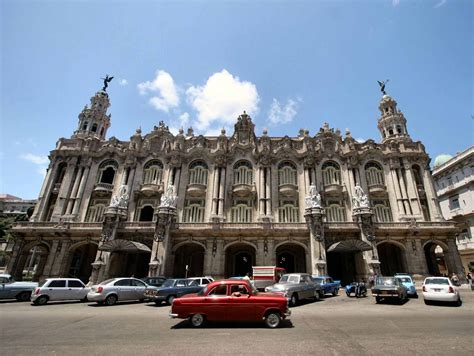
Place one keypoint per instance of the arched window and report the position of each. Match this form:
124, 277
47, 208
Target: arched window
241, 211
153, 172
382, 211
288, 212
94, 128
193, 211
107, 171
243, 173
374, 174
146, 213
335, 212
198, 172
417, 175
61, 171
84, 126
287, 173
331, 173
96, 213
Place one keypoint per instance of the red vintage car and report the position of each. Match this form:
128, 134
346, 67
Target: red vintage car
231, 300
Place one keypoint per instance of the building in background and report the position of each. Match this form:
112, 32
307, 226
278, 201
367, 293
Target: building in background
454, 184
188, 204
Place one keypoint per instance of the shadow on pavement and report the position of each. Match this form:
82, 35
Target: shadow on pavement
119, 303
232, 324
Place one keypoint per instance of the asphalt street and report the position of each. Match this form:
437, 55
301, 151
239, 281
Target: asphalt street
333, 326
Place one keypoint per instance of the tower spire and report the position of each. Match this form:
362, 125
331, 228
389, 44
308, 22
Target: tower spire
93, 120
392, 123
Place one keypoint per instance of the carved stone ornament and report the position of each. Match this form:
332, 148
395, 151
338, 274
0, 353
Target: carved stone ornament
169, 199
313, 200
360, 199
121, 199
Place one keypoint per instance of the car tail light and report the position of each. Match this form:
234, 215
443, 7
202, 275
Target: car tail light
451, 289
37, 291
424, 289
100, 289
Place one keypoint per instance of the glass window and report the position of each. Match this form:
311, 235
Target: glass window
57, 284
75, 284
137, 283
219, 290
181, 283
123, 283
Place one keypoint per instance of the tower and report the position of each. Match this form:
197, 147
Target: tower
392, 123
93, 120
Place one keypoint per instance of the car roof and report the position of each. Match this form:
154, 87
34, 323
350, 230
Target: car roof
62, 279
5, 275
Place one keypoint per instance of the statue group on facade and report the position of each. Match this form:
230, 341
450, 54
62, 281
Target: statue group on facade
313, 200
169, 199
359, 199
120, 200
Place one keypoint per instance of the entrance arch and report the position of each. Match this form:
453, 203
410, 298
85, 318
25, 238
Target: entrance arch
291, 257
81, 257
31, 262
435, 259
191, 255
127, 258
392, 259
239, 259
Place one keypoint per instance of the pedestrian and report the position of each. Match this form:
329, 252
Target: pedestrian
469, 278
247, 277
455, 279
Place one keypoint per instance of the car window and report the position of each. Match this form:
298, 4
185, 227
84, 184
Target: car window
219, 290
404, 279
57, 284
241, 288
137, 283
437, 281
3, 280
75, 284
194, 283
206, 281
107, 281
181, 283
168, 283
122, 282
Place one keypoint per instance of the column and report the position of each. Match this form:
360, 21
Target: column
91, 180
398, 193
45, 191
412, 192
392, 198
80, 193
261, 191
64, 190
215, 190
59, 265
75, 188
453, 261
221, 193
404, 191
268, 194
208, 258
433, 202
48, 268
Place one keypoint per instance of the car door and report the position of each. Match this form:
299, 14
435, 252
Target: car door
124, 289
75, 290
216, 303
56, 289
138, 289
241, 305
307, 287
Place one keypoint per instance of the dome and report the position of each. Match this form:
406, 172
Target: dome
441, 159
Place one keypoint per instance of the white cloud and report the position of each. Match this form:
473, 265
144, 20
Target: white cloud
441, 3
395, 3
123, 82
162, 85
283, 115
41, 162
222, 99
182, 122
360, 140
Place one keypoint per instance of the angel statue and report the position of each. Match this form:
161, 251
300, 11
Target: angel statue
382, 86
313, 200
169, 198
106, 80
121, 199
359, 200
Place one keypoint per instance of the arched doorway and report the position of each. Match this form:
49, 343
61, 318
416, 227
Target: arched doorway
31, 262
392, 259
192, 256
291, 257
435, 259
239, 259
128, 264
80, 261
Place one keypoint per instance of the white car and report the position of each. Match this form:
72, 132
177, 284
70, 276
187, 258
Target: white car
202, 281
440, 289
53, 289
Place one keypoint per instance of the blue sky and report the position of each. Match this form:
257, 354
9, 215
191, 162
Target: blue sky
291, 65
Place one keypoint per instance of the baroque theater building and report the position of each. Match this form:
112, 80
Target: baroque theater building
188, 205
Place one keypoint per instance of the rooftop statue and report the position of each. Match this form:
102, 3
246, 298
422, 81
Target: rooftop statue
382, 86
313, 200
106, 80
360, 199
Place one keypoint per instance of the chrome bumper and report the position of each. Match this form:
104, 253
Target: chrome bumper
172, 315
287, 313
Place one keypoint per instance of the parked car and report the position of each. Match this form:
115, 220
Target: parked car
440, 289
328, 285
53, 289
409, 284
113, 290
389, 288
295, 287
231, 300
202, 281
358, 288
9, 288
154, 281
171, 289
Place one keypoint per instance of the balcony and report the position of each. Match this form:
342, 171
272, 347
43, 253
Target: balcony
288, 190
151, 189
333, 189
243, 190
196, 190
104, 188
377, 189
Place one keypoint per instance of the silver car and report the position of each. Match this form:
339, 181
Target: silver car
53, 289
295, 287
117, 289
10, 289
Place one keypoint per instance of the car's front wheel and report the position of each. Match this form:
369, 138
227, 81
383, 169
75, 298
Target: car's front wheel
197, 320
377, 299
273, 320
335, 292
316, 295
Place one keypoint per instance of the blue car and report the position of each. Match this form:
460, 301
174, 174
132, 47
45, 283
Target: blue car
408, 283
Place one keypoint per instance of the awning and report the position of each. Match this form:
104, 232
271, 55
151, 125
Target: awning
350, 246
124, 245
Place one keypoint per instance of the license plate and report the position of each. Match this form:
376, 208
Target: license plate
437, 290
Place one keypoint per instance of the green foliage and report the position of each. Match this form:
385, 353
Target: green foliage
6, 223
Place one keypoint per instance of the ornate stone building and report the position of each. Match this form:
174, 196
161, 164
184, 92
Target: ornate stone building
191, 205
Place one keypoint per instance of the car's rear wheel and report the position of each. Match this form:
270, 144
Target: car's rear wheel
197, 320
273, 320
335, 292
41, 300
377, 299
170, 299
23, 296
294, 299
111, 299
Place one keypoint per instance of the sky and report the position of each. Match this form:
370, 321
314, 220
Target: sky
199, 64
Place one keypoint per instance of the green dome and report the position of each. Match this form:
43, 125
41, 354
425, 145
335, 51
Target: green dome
441, 159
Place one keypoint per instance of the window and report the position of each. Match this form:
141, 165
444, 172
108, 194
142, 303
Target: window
450, 181
94, 128
287, 173
331, 173
374, 174
241, 211
194, 211
96, 212
220, 290
242, 289
153, 172
57, 284
243, 173
454, 203
137, 283
198, 172
107, 171
123, 283
382, 210
75, 284
335, 211
288, 212
84, 126
146, 213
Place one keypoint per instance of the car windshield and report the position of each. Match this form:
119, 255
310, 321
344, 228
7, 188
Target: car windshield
386, 281
318, 280
40, 284
288, 278
168, 283
405, 279
437, 281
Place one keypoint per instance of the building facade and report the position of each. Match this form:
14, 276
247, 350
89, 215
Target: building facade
185, 204
454, 184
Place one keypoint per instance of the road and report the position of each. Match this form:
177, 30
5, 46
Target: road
333, 326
